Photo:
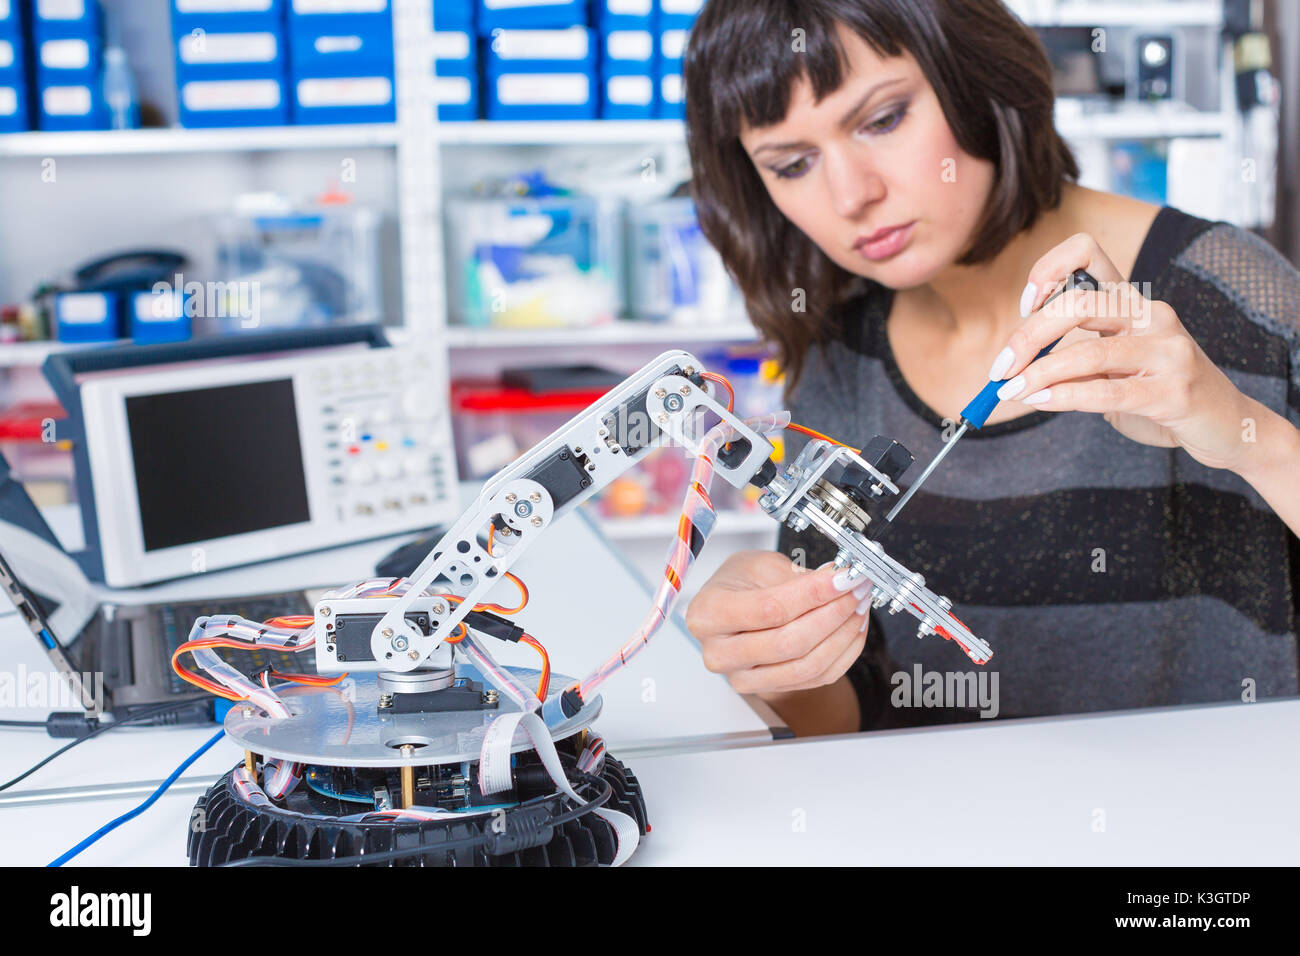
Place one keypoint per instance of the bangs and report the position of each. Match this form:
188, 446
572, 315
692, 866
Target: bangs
754, 63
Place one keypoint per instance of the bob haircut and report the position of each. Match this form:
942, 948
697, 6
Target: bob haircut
993, 82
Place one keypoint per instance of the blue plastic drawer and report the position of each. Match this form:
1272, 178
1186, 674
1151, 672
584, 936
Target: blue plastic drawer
63, 61
248, 102
537, 51
453, 14
339, 47
457, 94
679, 14
514, 15
551, 95
256, 54
87, 317
361, 96
226, 16
13, 108
624, 51
622, 14
627, 96
65, 18
455, 52
11, 18
75, 106
11, 60
159, 317
672, 105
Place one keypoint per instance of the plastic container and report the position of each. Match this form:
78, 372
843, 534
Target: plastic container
307, 266
529, 262
674, 274
119, 91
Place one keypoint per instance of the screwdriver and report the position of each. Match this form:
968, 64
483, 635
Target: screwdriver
981, 406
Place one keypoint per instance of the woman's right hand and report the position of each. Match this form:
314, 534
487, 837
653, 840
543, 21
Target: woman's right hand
773, 627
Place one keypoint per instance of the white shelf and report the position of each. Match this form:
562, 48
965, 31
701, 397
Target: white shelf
664, 526
615, 333
31, 354
542, 133
1140, 123
1086, 13
175, 140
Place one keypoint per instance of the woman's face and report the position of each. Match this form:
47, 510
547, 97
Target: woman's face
872, 173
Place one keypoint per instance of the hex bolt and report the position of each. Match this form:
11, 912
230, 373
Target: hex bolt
673, 403
438, 608
660, 393
685, 390
414, 655
536, 496
387, 632
537, 522
661, 418
510, 497
399, 643
325, 610
523, 509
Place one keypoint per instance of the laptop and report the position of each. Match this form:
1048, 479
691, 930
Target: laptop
116, 658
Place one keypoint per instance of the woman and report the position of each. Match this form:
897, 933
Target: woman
883, 179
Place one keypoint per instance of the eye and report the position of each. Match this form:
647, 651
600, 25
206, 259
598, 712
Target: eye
793, 170
888, 122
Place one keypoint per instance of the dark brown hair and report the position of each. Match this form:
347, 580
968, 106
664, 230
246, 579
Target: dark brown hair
988, 70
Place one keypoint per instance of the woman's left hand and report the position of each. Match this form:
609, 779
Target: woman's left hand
1145, 374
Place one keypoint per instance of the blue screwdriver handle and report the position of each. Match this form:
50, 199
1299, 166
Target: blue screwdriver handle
982, 405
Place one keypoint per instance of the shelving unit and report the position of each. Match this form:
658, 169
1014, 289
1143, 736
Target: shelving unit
419, 156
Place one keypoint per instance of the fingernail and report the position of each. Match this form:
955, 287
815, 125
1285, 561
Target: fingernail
862, 590
866, 619
1027, 300
1012, 388
1038, 397
865, 603
1001, 364
845, 580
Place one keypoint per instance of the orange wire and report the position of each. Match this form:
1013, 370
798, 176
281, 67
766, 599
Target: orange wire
544, 681
731, 392
816, 434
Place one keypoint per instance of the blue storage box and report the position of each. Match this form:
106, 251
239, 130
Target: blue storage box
66, 61
11, 60
678, 14
671, 102
627, 51
672, 46
11, 18
453, 14
322, 50
622, 14
627, 96
77, 106
542, 74
65, 18
456, 94
455, 52
358, 95
517, 15
248, 55
13, 107
159, 317
226, 16
248, 102
87, 317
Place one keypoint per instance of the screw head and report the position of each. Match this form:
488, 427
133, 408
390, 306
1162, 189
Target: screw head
511, 496
387, 632
660, 393
325, 610
537, 522
536, 496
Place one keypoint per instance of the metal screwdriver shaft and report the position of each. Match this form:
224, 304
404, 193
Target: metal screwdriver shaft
982, 405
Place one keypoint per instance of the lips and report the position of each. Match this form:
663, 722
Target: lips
884, 243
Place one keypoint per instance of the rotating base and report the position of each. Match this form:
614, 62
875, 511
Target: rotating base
226, 829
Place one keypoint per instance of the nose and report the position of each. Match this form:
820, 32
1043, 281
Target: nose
852, 180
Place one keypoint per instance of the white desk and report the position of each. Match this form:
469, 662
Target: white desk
1181, 786
1212, 786
584, 602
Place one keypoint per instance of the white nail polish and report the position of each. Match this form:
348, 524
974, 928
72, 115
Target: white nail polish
864, 605
1012, 388
1042, 395
862, 590
866, 619
1001, 364
844, 580
1027, 299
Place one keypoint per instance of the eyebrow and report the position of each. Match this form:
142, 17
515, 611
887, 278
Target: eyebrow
845, 120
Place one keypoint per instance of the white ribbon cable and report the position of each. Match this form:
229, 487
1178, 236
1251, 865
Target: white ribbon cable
494, 774
226, 675
284, 777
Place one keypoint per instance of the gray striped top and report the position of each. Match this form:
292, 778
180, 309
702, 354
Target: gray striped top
1105, 574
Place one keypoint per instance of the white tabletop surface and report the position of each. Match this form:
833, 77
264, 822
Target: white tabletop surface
1182, 786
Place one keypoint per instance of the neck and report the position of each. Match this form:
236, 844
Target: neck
983, 301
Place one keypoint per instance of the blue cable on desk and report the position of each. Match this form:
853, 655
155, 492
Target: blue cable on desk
152, 799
